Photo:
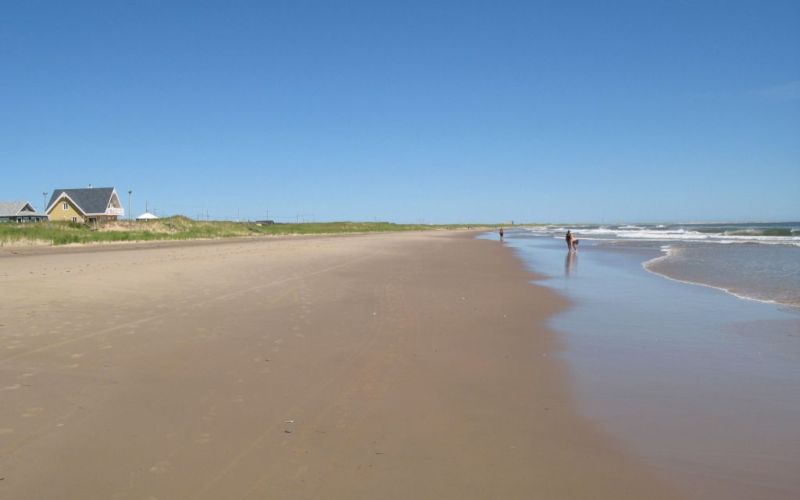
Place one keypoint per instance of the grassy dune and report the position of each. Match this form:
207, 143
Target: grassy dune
182, 228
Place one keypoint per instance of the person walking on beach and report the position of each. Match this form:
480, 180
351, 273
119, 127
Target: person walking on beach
570, 239
501, 233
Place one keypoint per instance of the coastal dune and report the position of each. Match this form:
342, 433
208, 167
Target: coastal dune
374, 366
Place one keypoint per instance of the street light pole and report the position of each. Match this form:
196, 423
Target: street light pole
130, 192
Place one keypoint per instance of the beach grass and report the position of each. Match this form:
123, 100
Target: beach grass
183, 228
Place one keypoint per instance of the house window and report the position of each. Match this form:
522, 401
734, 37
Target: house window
74, 219
66, 206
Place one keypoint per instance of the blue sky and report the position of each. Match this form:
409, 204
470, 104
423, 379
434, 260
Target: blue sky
408, 111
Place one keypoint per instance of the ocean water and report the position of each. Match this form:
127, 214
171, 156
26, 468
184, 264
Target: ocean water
700, 384
751, 261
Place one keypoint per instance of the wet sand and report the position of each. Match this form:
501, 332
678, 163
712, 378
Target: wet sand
703, 386
373, 366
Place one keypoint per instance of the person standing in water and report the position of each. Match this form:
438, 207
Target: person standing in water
570, 239
501, 233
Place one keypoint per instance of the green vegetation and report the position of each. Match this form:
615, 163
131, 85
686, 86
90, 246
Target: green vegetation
183, 228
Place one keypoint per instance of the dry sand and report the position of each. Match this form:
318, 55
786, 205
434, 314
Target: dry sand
374, 366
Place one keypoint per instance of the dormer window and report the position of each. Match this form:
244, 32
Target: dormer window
66, 206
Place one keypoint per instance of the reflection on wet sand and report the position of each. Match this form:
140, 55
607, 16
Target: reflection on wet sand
570, 263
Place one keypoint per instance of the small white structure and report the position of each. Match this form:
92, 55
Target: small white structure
147, 216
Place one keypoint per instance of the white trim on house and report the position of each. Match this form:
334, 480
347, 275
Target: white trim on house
27, 207
19, 211
58, 200
110, 210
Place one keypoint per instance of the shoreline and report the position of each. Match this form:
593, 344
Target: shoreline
646, 266
723, 426
391, 365
759, 267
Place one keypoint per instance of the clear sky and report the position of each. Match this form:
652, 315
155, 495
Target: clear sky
435, 111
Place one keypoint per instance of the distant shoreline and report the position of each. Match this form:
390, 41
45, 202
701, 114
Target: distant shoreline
60, 234
21, 250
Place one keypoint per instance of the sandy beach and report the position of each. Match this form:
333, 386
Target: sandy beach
372, 366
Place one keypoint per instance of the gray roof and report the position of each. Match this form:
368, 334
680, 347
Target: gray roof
89, 200
12, 208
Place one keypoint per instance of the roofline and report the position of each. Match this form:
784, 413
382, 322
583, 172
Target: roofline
58, 199
80, 209
28, 204
23, 205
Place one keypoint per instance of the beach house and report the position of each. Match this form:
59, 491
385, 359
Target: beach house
19, 211
85, 205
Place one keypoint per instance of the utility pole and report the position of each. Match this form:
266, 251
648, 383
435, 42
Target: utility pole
44, 201
130, 192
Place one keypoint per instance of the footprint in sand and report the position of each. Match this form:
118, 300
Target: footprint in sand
77, 355
160, 467
32, 412
210, 416
11, 387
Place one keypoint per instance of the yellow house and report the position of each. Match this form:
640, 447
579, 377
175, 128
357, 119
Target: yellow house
85, 205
